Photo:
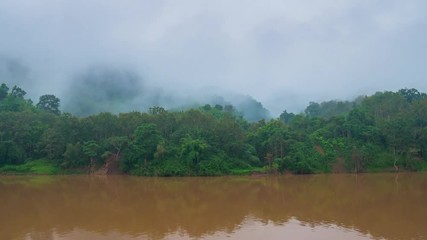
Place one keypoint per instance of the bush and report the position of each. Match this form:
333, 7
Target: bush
215, 166
44, 167
172, 167
413, 164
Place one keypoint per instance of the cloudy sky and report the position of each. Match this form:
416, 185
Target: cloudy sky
284, 53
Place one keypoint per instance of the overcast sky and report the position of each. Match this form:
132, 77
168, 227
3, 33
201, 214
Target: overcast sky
284, 53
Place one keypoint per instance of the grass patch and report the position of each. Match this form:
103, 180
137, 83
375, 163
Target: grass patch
39, 167
249, 171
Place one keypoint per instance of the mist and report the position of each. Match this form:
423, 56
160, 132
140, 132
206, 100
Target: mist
106, 89
278, 55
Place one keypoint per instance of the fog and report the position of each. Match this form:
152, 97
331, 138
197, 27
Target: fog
105, 55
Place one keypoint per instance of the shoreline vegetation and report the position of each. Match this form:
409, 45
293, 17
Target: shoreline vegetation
384, 132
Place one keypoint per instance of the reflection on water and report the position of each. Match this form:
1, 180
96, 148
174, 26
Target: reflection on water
368, 206
249, 229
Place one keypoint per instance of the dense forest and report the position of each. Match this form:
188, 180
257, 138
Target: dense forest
383, 132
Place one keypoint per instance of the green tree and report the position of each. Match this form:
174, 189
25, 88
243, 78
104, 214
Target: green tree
11, 153
313, 109
329, 109
52, 143
128, 122
4, 90
18, 92
411, 94
154, 110
91, 150
49, 103
117, 143
142, 148
73, 156
269, 140
287, 117
192, 149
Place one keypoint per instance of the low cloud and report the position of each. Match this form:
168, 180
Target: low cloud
282, 53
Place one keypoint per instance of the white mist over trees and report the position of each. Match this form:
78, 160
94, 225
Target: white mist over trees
106, 89
284, 54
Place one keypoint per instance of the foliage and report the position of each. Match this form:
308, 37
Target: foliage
73, 156
328, 109
49, 103
383, 132
41, 166
4, 89
142, 148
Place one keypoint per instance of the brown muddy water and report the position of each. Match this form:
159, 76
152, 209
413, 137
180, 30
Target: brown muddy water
364, 206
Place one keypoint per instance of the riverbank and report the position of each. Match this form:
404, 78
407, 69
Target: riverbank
37, 167
49, 167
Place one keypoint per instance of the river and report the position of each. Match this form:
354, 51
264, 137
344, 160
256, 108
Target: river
336, 206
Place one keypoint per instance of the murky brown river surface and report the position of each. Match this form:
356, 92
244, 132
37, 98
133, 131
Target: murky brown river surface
367, 206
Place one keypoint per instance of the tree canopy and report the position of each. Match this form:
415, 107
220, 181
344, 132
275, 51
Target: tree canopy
383, 132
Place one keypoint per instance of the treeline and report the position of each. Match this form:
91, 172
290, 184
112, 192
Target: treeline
383, 132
